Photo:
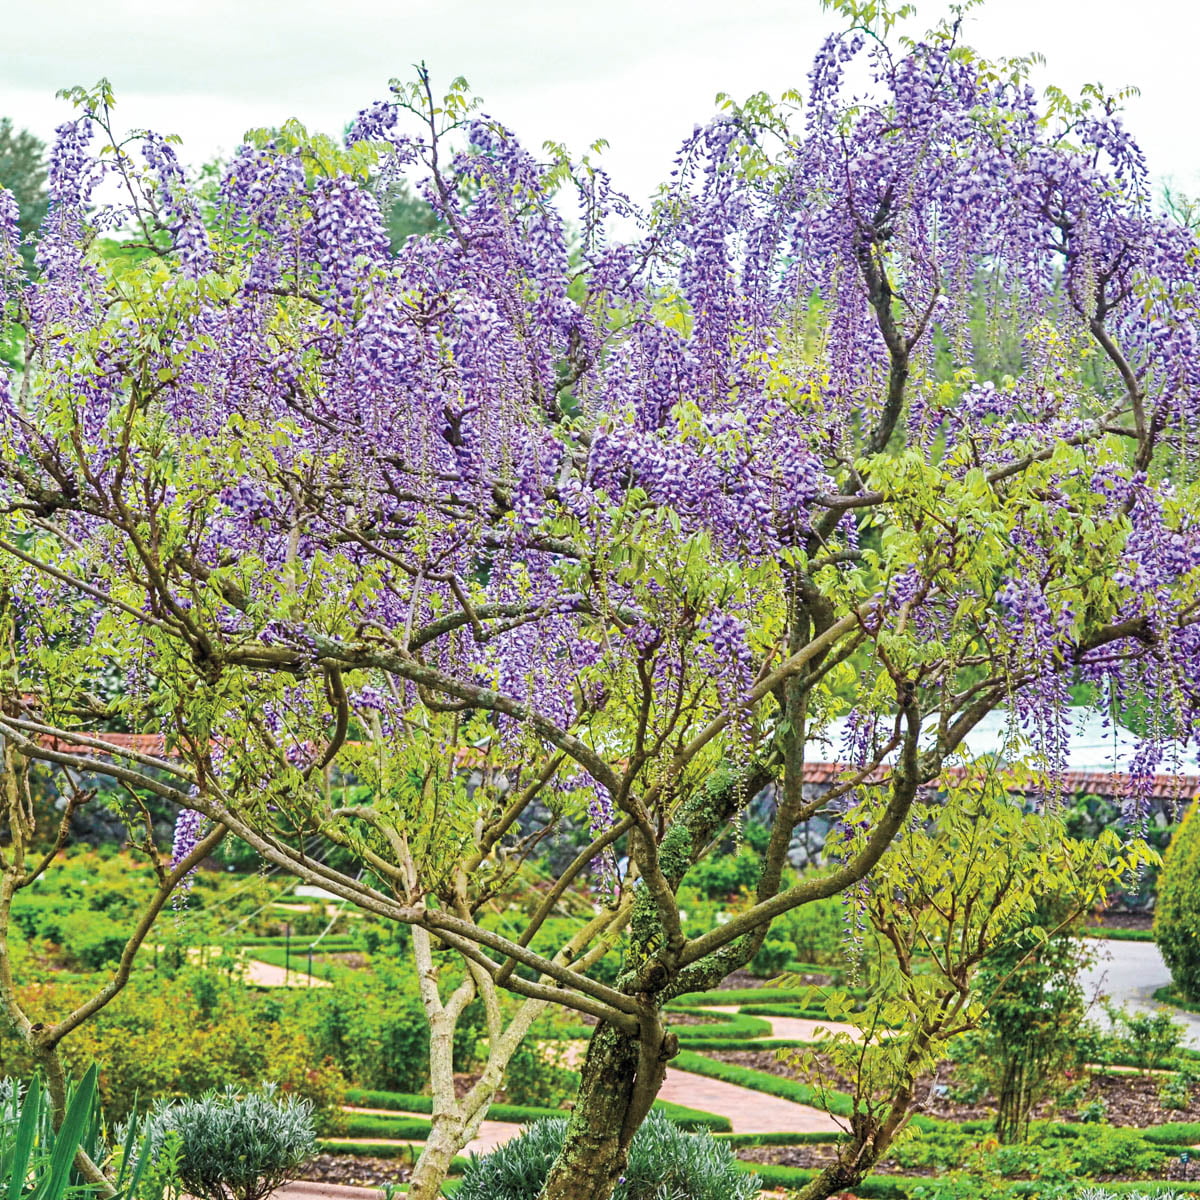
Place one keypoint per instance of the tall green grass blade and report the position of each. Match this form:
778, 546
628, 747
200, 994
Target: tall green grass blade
68, 1140
25, 1136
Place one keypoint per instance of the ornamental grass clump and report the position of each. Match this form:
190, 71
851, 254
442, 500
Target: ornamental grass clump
664, 1162
235, 1146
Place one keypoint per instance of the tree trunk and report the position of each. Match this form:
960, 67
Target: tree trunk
834, 1180
56, 1087
446, 1137
613, 1099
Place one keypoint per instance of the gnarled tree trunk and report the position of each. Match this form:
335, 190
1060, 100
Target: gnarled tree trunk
595, 1151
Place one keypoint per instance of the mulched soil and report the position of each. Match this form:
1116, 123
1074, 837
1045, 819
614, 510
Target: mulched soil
354, 1170
1126, 920
687, 1018
816, 1156
739, 979
346, 958
1129, 1099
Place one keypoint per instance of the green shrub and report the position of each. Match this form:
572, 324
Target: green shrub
817, 930
837, 1103
1177, 912
376, 1125
537, 1074
166, 1037
744, 996
1175, 1090
722, 876
773, 955
685, 1118
1145, 1039
234, 1146
663, 1162
723, 1027
92, 940
374, 1027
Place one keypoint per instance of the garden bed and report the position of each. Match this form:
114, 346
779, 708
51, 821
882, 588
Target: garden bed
354, 1170
1129, 1099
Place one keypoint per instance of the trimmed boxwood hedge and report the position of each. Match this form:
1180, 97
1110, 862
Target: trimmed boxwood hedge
1119, 935
520, 1114
808, 1012
724, 1026
740, 996
372, 1125
782, 1139
749, 1044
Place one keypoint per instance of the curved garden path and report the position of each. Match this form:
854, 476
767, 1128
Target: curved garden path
792, 1029
1128, 973
263, 974
748, 1111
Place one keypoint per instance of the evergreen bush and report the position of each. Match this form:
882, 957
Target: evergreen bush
1177, 912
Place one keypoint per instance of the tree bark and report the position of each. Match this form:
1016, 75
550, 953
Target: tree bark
605, 1117
446, 1138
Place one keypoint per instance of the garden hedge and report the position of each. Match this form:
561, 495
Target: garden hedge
740, 996
1119, 935
724, 1027
704, 1043
373, 1125
520, 1114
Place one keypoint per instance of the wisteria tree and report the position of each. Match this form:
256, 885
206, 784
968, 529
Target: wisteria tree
661, 508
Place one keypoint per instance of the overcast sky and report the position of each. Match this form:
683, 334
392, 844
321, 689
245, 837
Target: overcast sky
640, 73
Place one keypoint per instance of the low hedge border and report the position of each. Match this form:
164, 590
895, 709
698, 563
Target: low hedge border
740, 996
732, 1026
371, 1125
808, 1012
723, 1025
521, 1114
408, 1154
748, 1044
1169, 995
693, 1119
1172, 1133
1119, 935
780, 1139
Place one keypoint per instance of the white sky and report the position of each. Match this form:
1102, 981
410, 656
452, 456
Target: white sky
640, 73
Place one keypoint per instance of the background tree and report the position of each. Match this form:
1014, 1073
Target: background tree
664, 508
970, 916
1177, 911
23, 172
24, 859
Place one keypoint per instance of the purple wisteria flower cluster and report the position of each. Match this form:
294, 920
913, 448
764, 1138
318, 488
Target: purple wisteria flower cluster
914, 383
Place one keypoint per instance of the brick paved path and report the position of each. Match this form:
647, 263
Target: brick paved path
747, 1110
